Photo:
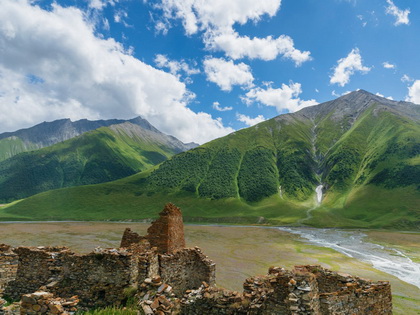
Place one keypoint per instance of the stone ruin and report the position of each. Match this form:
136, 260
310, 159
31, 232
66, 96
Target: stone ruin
164, 277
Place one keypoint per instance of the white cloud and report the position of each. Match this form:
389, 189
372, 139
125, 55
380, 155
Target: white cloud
406, 78
217, 19
268, 48
226, 74
381, 95
250, 121
79, 75
175, 67
400, 15
348, 66
334, 93
414, 92
284, 98
99, 4
216, 106
388, 65
161, 27
217, 14
119, 16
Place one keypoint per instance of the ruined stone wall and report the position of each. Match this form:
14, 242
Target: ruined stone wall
38, 266
8, 266
187, 269
357, 299
99, 278
292, 293
330, 281
167, 232
148, 265
129, 238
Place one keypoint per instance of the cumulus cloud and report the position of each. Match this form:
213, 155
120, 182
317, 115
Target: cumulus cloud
347, 66
284, 98
388, 65
401, 16
176, 67
414, 92
227, 74
249, 121
216, 106
216, 19
267, 48
53, 66
217, 14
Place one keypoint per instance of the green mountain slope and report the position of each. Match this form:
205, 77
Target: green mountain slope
49, 133
12, 146
363, 149
102, 155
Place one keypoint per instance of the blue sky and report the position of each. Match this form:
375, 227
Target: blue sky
200, 69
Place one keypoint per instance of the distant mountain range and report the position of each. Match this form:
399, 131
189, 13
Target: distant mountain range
79, 153
49, 133
363, 149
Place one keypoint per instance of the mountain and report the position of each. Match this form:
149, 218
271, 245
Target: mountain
101, 155
49, 133
363, 149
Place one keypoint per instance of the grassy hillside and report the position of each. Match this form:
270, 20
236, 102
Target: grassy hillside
98, 156
365, 151
12, 146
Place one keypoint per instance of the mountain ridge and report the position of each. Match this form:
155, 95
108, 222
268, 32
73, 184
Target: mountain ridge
104, 154
49, 133
356, 145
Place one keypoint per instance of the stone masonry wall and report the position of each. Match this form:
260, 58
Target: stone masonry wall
167, 232
37, 266
187, 269
356, 299
293, 293
129, 238
99, 278
8, 266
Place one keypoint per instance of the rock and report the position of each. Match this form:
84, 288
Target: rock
27, 299
56, 308
36, 307
147, 310
155, 304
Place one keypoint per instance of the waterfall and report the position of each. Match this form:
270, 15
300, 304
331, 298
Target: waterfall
318, 191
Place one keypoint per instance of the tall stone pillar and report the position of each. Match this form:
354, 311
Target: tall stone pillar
167, 232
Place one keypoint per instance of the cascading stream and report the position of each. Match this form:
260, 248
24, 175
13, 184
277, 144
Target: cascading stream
318, 191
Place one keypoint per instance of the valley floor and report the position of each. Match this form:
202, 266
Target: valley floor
239, 252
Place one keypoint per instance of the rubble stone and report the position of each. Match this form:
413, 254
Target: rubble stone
42, 302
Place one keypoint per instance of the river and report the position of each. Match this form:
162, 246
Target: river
353, 244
